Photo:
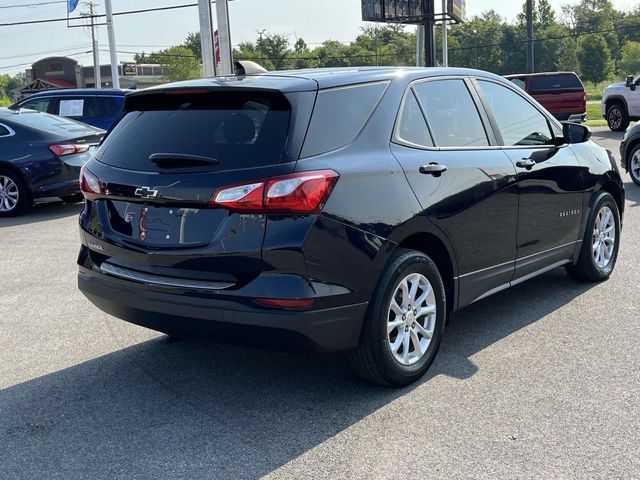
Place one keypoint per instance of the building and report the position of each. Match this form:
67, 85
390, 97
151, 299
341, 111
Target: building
62, 72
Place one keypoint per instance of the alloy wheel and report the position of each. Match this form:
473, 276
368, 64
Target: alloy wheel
615, 118
9, 194
604, 237
634, 166
411, 319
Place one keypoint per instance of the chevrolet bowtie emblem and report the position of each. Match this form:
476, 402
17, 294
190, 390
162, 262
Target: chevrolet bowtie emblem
146, 192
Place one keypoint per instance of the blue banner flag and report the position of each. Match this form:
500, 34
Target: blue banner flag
72, 5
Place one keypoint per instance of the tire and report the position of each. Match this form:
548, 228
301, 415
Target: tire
617, 117
15, 198
633, 164
375, 359
592, 266
73, 198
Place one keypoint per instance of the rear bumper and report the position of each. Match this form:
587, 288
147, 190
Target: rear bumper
65, 182
223, 319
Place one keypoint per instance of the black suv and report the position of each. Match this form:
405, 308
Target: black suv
349, 209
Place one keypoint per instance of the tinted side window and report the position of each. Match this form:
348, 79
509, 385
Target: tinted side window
4, 131
412, 126
339, 116
549, 83
451, 113
108, 106
519, 122
39, 104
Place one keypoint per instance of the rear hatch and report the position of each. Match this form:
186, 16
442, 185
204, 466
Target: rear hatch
162, 163
561, 94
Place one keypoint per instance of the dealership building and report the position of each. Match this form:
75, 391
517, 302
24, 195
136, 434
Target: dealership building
63, 72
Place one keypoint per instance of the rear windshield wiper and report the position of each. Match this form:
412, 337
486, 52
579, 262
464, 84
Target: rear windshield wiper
177, 160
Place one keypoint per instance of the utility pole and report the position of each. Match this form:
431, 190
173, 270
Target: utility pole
115, 76
226, 53
94, 44
260, 34
429, 33
206, 38
445, 46
530, 59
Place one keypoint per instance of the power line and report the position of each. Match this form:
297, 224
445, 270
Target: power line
5, 67
128, 12
100, 15
31, 5
71, 47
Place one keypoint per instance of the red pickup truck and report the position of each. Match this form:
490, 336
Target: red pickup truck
561, 93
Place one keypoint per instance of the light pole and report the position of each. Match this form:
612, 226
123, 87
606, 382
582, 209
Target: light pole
115, 76
206, 38
226, 53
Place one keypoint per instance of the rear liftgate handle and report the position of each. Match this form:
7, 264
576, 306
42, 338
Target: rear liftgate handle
434, 169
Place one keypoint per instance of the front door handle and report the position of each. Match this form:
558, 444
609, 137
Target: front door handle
526, 163
434, 169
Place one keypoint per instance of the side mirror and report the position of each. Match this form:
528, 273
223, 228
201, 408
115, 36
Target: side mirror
630, 82
575, 133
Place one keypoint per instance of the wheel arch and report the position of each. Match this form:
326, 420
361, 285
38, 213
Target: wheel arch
425, 238
631, 144
611, 187
617, 99
9, 166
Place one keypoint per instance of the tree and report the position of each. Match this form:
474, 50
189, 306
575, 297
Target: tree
179, 63
567, 57
275, 47
630, 58
594, 58
193, 43
301, 54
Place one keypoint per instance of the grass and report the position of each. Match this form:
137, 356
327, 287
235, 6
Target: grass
594, 116
594, 90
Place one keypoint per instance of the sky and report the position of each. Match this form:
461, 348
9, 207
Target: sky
313, 20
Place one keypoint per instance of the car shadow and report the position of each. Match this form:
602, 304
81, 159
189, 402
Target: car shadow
176, 409
632, 193
42, 212
606, 134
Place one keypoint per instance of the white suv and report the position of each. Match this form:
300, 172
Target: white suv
621, 103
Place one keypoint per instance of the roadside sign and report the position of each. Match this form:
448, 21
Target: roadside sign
458, 10
129, 69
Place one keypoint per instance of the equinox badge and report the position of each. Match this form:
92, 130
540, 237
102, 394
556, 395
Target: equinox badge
146, 192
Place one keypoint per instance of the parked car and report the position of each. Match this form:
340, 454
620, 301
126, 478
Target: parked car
341, 209
97, 107
630, 152
621, 104
561, 93
41, 156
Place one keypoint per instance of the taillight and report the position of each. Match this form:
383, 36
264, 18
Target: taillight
89, 184
304, 192
60, 150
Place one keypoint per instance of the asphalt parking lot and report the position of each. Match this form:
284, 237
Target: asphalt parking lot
540, 381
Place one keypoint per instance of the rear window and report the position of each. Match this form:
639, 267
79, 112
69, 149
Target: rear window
549, 83
239, 129
49, 123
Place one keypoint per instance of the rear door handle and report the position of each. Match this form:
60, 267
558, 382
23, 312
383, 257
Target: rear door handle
434, 169
526, 163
